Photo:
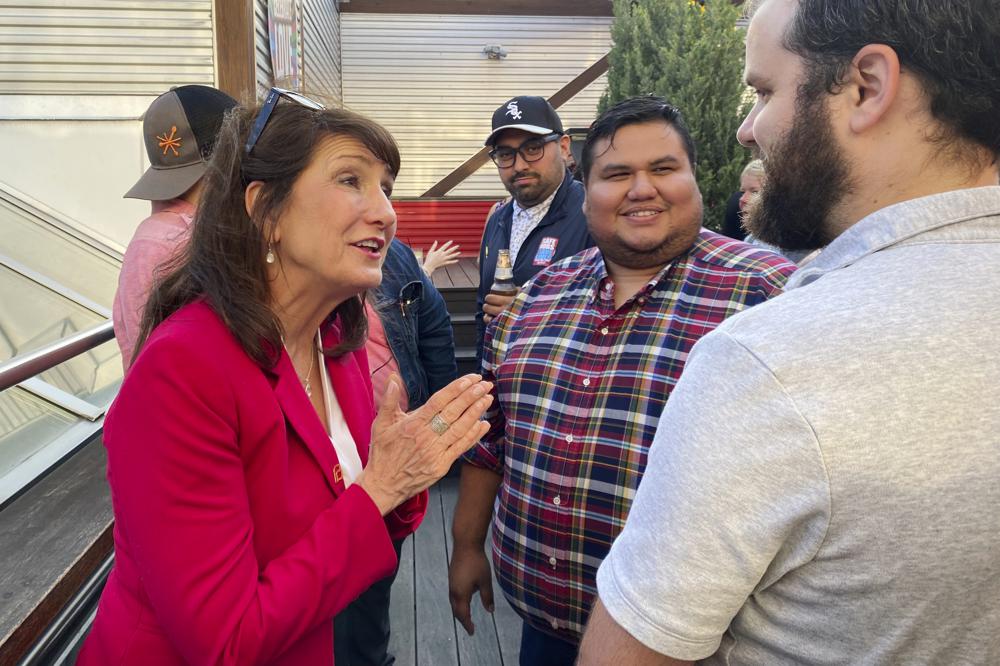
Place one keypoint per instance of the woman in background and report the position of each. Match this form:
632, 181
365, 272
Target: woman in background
751, 180
255, 491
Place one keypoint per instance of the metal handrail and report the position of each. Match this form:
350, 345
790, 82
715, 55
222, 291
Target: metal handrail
26, 366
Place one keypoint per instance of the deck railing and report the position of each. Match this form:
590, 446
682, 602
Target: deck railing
26, 366
55, 535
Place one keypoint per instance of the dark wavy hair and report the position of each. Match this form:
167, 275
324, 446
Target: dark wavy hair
635, 111
950, 45
224, 263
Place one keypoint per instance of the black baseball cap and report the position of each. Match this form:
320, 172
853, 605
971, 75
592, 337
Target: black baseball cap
179, 129
528, 113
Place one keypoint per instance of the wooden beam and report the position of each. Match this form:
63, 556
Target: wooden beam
508, 7
561, 96
584, 79
234, 39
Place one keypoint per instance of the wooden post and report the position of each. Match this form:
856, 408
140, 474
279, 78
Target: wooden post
234, 39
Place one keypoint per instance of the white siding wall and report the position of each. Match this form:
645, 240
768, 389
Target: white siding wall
104, 47
426, 79
262, 50
321, 44
320, 21
75, 77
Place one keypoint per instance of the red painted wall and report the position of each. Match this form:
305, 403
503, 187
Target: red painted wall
423, 221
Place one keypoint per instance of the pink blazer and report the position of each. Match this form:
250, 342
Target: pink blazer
235, 539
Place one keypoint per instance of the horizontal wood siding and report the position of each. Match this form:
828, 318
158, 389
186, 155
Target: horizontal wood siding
426, 79
262, 52
422, 222
104, 47
321, 46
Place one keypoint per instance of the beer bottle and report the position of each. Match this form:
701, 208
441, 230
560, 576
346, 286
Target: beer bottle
503, 282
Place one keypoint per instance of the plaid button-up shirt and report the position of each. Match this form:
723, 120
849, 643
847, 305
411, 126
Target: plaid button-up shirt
580, 386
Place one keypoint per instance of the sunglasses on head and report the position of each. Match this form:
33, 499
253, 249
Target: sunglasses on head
271, 101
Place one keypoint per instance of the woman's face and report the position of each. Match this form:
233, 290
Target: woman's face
337, 225
749, 186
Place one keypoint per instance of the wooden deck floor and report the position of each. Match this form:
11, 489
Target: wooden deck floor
464, 274
423, 630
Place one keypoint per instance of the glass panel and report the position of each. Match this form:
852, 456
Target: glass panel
93, 376
32, 316
57, 255
27, 425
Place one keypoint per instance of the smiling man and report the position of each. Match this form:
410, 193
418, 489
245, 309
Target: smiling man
823, 484
583, 362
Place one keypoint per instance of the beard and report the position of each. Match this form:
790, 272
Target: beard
651, 254
527, 195
807, 175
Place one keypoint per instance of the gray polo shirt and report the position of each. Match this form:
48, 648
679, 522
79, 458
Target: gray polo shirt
824, 484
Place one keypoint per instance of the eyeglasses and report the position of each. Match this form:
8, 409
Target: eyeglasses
530, 151
273, 96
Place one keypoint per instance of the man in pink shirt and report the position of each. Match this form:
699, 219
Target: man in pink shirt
179, 130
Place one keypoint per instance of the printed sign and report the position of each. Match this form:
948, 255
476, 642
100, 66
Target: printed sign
284, 34
546, 251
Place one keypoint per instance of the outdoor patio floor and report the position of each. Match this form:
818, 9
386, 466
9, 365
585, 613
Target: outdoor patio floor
423, 630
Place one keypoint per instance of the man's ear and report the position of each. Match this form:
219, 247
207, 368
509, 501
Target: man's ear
564, 143
873, 84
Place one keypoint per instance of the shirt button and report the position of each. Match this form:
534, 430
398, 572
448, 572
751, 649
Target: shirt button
555, 625
557, 500
604, 331
569, 439
552, 561
586, 381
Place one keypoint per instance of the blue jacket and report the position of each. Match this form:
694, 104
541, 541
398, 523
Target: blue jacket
417, 325
564, 227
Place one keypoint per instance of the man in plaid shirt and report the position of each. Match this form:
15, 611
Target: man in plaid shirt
584, 361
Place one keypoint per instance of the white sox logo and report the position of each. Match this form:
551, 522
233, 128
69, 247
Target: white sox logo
513, 111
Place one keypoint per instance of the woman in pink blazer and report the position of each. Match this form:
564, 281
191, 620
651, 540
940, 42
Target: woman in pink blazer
256, 492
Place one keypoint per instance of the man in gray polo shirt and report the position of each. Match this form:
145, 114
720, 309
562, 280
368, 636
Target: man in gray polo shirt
824, 484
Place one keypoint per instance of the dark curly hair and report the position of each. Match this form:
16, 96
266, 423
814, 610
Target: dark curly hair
224, 261
950, 45
635, 111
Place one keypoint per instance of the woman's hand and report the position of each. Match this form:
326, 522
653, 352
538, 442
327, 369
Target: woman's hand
436, 257
409, 452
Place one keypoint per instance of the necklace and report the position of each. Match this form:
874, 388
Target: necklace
304, 380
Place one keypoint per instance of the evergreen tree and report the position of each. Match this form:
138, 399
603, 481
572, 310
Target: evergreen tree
691, 53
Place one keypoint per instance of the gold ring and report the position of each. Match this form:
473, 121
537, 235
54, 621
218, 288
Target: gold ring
438, 424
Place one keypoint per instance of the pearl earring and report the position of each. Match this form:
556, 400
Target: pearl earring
269, 257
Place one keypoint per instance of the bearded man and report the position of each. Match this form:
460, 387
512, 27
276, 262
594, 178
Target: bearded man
583, 362
822, 487
542, 222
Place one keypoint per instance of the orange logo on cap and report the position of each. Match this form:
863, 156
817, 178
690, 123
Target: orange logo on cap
170, 142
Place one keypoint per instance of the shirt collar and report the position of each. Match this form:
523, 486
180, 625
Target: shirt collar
538, 211
178, 206
603, 285
898, 223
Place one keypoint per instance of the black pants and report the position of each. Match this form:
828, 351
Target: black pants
361, 631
